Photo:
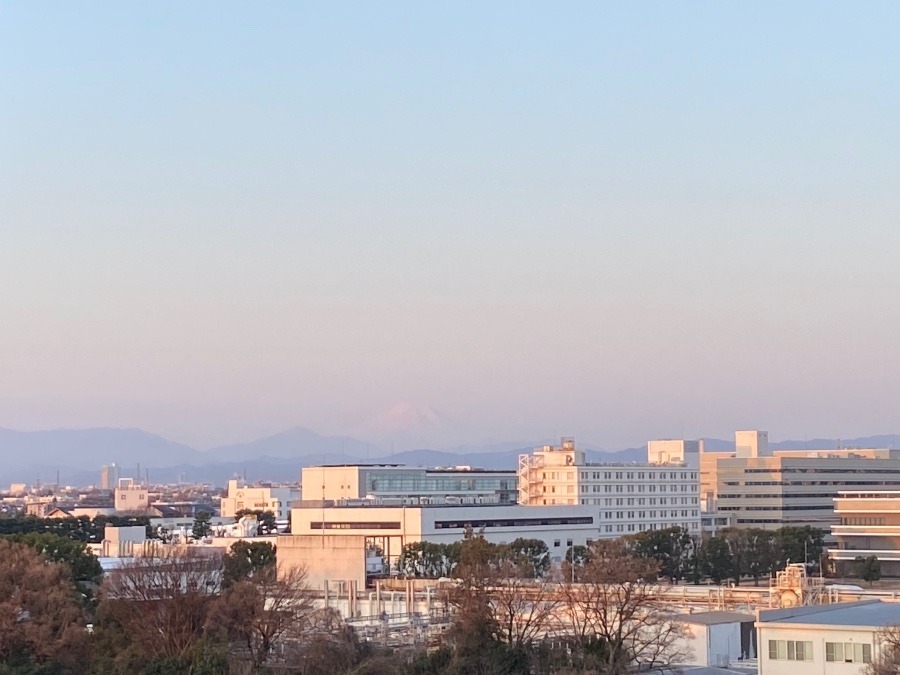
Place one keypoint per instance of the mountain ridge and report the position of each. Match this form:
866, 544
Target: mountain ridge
78, 454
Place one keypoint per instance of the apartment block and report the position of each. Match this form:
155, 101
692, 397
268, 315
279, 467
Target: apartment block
241, 496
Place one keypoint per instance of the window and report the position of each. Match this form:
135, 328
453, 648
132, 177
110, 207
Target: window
790, 650
848, 652
556, 543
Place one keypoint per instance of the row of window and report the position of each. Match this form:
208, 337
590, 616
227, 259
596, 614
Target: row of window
862, 520
802, 650
631, 488
801, 507
640, 475
641, 501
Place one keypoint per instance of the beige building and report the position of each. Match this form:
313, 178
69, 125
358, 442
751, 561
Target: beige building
131, 496
241, 496
868, 525
787, 489
754, 486
674, 451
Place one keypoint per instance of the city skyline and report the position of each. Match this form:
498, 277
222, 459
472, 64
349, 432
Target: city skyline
615, 222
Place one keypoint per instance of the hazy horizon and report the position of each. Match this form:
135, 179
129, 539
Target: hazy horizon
615, 222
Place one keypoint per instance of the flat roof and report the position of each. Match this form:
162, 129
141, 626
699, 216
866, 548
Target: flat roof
714, 618
874, 613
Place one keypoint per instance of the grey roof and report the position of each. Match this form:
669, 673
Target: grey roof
713, 618
865, 613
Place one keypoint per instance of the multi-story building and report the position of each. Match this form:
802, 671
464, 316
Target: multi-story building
674, 451
754, 486
413, 485
131, 496
868, 525
786, 489
241, 496
109, 476
628, 497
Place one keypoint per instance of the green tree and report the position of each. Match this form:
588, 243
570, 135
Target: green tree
530, 556
761, 553
428, 559
201, 527
245, 559
738, 539
716, 561
868, 569
799, 545
671, 548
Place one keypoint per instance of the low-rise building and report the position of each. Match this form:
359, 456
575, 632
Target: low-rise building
390, 527
276, 499
832, 639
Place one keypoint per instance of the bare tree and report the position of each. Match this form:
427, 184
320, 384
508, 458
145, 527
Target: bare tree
259, 613
886, 657
523, 607
40, 619
162, 601
614, 616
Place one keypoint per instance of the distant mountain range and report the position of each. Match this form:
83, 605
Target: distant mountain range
78, 454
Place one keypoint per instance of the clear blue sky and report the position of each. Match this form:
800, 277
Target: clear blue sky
616, 221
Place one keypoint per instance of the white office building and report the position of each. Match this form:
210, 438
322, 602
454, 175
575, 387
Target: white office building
627, 497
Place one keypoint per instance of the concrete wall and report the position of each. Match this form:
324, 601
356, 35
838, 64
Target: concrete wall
326, 558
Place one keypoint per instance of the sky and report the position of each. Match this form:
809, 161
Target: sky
616, 221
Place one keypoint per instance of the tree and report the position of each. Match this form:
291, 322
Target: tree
427, 559
761, 555
614, 615
245, 559
157, 606
82, 564
868, 569
715, 559
201, 527
257, 613
886, 657
738, 540
530, 557
671, 548
476, 636
799, 544
41, 622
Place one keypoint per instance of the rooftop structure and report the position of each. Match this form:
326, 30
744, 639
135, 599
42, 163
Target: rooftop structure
414, 485
241, 496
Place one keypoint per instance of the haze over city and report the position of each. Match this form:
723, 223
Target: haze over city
441, 225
